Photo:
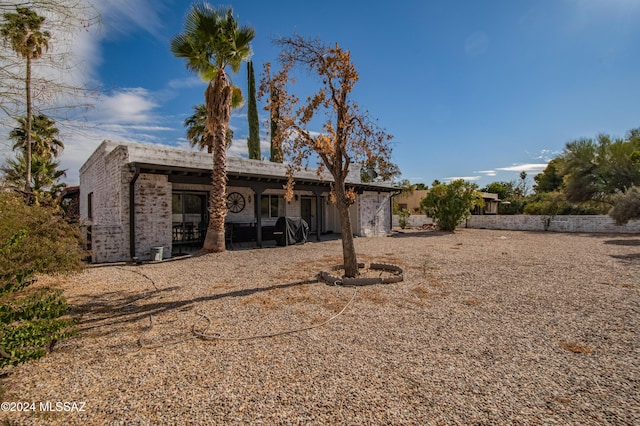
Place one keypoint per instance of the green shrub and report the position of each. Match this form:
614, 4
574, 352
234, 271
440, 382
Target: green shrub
449, 204
33, 240
555, 203
403, 219
626, 206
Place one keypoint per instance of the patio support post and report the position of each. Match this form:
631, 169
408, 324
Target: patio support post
132, 213
319, 213
258, 190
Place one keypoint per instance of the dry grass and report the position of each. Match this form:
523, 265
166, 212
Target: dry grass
576, 347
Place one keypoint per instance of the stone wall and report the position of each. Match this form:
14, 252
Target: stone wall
587, 223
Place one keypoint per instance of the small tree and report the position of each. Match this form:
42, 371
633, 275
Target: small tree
626, 206
450, 204
403, 218
347, 135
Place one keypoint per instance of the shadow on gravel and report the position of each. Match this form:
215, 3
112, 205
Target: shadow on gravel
633, 257
401, 234
623, 242
98, 312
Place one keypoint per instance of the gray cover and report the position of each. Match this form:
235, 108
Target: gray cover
290, 231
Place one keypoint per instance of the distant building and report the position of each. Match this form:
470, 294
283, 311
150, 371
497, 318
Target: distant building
411, 202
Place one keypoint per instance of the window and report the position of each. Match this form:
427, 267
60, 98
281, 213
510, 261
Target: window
90, 205
272, 206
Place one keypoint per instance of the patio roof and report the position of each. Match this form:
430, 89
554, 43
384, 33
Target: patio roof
195, 175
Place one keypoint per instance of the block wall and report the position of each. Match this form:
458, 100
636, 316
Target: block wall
569, 223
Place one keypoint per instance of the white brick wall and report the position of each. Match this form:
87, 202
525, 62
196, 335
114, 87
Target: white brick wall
102, 176
153, 214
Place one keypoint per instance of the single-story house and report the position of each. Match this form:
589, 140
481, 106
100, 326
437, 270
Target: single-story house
412, 201
135, 198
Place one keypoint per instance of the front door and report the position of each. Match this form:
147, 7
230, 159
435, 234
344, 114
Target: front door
308, 212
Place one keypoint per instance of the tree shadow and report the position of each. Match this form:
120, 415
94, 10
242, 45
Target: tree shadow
624, 242
405, 234
120, 311
633, 257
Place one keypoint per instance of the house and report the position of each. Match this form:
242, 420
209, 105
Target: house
412, 200
136, 198
491, 203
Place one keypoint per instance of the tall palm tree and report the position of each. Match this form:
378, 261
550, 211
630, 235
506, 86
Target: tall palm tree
23, 32
44, 136
197, 131
211, 41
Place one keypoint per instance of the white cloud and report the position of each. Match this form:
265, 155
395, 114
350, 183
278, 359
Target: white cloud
465, 178
532, 167
123, 16
133, 105
487, 172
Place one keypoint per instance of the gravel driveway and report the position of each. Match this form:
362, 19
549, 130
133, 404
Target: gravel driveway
488, 327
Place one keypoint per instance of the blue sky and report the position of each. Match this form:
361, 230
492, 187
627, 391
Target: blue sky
469, 89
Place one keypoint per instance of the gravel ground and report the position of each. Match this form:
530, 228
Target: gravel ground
488, 327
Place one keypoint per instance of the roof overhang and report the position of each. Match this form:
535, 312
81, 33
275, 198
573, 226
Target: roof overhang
177, 174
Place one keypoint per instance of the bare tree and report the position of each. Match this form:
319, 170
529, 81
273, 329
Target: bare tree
54, 88
348, 135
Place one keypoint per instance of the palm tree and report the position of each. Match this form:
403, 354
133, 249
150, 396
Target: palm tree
197, 131
211, 41
45, 176
22, 31
44, 136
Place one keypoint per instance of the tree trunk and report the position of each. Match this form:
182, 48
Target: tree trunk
218, 102
276, 148
27, 185
348, 249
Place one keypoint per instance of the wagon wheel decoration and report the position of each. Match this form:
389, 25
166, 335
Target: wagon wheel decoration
235, 202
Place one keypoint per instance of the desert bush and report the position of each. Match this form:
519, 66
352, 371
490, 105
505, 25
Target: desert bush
449, 204
555, 203
33, 240
403, 219
626, 206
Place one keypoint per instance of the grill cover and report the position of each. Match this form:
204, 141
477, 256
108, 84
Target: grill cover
290, 231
